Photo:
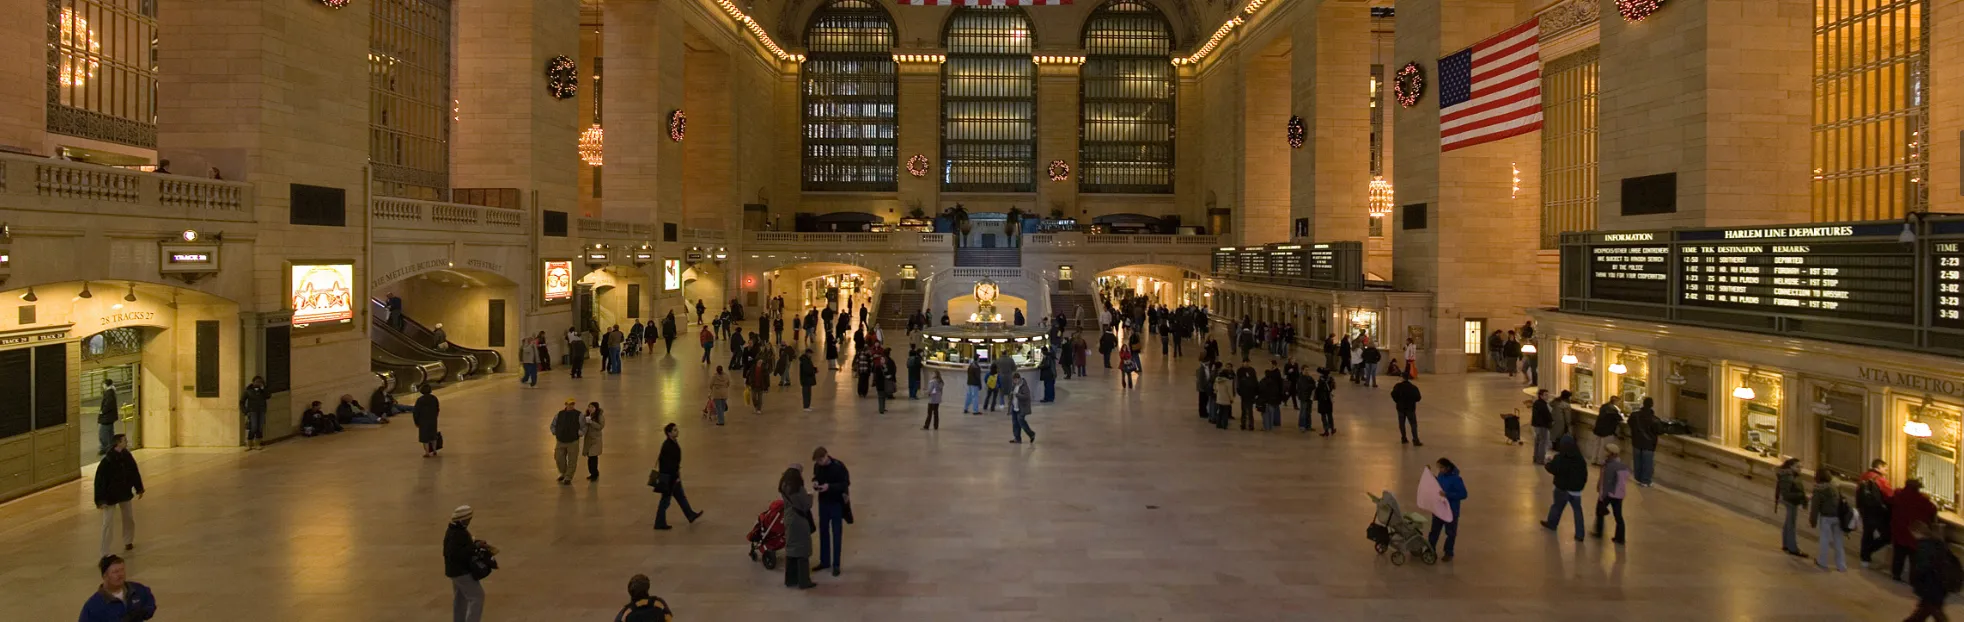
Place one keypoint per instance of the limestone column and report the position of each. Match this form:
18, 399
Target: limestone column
1477, 248
1945, 136
1057, 136
24, 71
635, 124
274, 94
512, 133
1734, 125
920, 133
1330, 174
1264, 153
708, 152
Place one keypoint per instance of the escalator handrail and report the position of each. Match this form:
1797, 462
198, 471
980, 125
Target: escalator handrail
420, 352
496, 360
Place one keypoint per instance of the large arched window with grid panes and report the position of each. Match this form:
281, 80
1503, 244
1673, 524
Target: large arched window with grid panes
1126, 103
410, 108
851, 91
988, 102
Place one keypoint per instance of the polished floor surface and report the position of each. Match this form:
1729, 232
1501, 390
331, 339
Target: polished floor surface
1128, 508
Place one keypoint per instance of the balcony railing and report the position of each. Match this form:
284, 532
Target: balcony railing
394, 213
32, 183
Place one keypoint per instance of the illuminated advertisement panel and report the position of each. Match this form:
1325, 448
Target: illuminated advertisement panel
323, 294
559, 280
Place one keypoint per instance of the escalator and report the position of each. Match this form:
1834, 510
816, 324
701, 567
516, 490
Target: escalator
394, 351
487, 361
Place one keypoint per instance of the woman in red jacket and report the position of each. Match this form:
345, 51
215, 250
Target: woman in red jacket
1907, 509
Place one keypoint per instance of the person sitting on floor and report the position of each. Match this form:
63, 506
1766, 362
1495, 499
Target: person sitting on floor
350, 412
313, 422
382, 404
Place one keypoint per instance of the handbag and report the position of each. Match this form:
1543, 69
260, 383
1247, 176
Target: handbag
662, 483
439, 441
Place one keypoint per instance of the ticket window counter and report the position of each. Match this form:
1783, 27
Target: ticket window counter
1931, 433
1758, 398
1631, 370
1838, 431
1691, 398
1363, 323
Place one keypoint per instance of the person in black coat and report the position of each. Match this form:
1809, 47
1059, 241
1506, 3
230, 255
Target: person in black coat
834, 486
1542, 419
642, 607
668, 474
1406, 396
807, 376
252, 402
1325, 406
1571, 473
461, 565
1304, 390
915, 362
425, 415
117, 481
1274, 392
1250, 390
668, 333
1047, 372
1645, 427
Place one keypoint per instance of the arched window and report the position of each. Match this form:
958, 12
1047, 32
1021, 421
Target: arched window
988, 102
1126, 101
851, 91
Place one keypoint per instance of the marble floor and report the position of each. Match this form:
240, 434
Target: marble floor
1129, 508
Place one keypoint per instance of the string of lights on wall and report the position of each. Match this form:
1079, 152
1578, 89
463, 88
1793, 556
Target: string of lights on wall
757, 30
917, 165
920, 58
1222, 33
1057, 60
1636, 10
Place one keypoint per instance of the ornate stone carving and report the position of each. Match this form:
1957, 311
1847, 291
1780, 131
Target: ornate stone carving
1569, 16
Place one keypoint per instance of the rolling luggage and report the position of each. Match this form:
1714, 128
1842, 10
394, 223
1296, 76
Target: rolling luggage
1511, 426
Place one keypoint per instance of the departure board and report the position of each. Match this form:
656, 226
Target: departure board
1331, 265
1628, 269
1873, 281
1323, 264
1947, 279
1254, 263
1287, 264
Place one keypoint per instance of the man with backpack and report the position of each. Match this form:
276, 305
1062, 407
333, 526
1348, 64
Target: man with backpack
1935, 576
1872, 493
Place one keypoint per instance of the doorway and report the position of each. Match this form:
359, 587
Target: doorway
115, 355
1476, 344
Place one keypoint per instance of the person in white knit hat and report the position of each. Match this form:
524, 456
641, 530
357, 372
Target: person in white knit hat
466, 561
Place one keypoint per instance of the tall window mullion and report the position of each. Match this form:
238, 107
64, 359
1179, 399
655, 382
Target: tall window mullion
1569, 192
1127, 101
1871, 108
409, 97
851, 99
988, 102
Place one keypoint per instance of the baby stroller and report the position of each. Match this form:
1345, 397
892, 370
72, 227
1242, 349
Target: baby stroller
1402, 533
767, 537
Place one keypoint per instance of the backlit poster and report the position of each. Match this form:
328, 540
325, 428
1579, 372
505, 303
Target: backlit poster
559, 280
323, 294
671, 274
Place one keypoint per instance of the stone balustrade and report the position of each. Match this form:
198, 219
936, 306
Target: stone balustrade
394, 213
42, 184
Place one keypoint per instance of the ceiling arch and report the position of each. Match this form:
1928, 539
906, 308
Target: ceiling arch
922, 26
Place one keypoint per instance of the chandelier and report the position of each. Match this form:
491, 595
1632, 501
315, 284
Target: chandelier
78, 63
1381, 197
590, 144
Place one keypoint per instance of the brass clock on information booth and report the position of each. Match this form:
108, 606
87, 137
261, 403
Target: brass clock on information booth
986, 291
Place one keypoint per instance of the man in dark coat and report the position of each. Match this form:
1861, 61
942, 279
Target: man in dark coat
424, 415
1325, 405
641, 607
1541, 420
1406, 396
668, 473
915, 362
106, 419
1645, 427
461, 567
1304, 388
117, 481
1250, 389
668, 333
1107, 342
807, 376
1047, 372
1275, 391
833, 483
252, 402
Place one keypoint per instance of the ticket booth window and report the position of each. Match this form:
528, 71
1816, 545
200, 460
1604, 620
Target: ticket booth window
1634, 382
1581, 360
1840, 432
1759, 414
1933, 458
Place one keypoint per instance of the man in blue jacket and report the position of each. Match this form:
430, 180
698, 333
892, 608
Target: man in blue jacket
118, 600
1454, 489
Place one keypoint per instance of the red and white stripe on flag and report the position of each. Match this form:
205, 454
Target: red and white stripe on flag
984, 2
1492, 90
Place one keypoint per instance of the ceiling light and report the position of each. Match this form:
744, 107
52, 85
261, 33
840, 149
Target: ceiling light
85, 292
29, 296
130, 297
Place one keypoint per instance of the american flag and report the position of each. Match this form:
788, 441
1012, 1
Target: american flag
984, 2
1492, 90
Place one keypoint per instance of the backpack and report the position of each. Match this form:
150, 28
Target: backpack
1844, 514
1869, 496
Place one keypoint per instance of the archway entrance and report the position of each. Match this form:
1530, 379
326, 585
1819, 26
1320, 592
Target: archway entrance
171, 357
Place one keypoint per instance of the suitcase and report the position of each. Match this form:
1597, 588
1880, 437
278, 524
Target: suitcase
1511, 426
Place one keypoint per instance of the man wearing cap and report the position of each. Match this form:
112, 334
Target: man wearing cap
460, 564
565, 428
642, 607
118, 599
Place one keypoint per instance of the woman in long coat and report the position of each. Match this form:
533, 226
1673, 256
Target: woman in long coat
425, 417
798, 527
590, 425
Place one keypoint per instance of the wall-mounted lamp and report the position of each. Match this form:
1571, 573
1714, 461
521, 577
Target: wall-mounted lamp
1569, 359
85, 291
130, 297
29, 296
1618, 368
1528, 348
1744, 392
1917, 429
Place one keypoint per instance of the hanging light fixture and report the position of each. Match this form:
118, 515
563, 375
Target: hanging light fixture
85, 291
29, 296
130, 297
590, 144
1569, 359
1381, 197
1528, 348
1618, 368
1917, 429
1744, 392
